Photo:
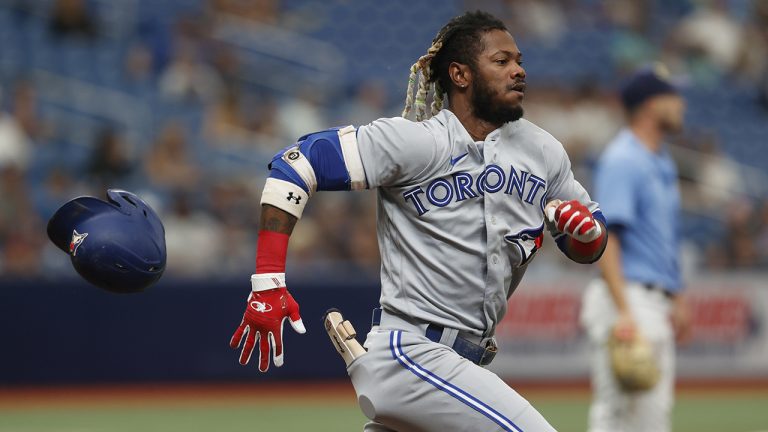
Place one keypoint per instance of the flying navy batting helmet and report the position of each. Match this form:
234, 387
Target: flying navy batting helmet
117, 245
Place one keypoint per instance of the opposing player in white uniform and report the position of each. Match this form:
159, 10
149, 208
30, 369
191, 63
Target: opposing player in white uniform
641, 284
462, 199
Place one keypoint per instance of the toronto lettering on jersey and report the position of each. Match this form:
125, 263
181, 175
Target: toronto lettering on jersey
442, 191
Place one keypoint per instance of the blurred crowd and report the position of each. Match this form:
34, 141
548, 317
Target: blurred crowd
195, 125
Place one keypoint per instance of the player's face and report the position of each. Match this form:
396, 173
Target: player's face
669, 111
498, 84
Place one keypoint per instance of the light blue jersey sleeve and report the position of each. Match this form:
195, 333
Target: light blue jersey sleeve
616, 187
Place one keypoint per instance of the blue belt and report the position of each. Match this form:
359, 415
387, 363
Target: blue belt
477, 354
654, 287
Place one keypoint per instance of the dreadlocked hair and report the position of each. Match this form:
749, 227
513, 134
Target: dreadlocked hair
460, 41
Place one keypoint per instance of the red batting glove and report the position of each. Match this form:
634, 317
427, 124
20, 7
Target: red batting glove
575, 219
263, 320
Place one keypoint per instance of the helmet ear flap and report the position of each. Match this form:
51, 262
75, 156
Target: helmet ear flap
67, 217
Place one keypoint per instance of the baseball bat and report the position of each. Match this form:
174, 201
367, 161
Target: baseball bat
342, 336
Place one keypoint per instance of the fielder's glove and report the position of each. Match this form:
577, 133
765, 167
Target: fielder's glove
633, 363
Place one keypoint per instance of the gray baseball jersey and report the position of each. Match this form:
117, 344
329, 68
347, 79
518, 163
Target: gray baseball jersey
458, 220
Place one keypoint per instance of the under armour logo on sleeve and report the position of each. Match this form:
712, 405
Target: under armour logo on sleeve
290, 196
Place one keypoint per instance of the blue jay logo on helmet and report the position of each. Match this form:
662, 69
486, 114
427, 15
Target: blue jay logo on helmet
125, 247
77, 239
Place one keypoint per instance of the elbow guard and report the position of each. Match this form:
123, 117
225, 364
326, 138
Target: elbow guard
327, 160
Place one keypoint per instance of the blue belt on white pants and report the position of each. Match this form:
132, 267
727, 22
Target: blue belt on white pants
480, 354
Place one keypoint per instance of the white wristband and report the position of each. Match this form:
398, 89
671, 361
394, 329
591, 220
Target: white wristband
284, 195
267, 281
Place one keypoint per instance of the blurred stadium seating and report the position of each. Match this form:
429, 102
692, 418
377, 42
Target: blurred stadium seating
185, 102
239, 80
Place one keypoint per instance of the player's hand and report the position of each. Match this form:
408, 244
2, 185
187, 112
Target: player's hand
681, 319
574, 219
625, 329
263, 320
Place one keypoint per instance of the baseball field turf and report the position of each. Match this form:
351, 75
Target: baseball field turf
317, 407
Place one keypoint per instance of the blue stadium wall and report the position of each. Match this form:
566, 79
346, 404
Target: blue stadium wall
177, 331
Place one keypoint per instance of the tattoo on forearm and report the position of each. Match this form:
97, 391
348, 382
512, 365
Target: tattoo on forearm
274, 219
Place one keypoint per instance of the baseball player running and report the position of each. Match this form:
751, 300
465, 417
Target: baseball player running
462, 199
636, 182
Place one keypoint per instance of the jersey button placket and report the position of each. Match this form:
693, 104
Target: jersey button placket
494, 277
